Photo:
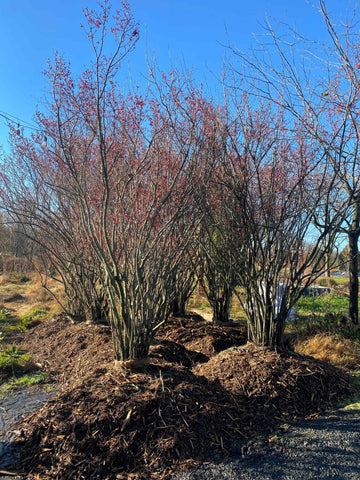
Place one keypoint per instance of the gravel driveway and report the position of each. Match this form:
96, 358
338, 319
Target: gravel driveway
317, 449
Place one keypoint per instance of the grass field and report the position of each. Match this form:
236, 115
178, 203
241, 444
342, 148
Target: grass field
337, 303
334, 303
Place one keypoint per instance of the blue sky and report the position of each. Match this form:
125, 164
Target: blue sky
189, 31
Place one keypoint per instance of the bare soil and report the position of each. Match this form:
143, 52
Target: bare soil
203, 393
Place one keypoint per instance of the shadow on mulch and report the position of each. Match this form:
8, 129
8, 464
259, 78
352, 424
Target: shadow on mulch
187, 404
207, 338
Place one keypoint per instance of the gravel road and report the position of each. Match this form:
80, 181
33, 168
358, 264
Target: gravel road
317, 449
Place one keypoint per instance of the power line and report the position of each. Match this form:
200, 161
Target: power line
20, 123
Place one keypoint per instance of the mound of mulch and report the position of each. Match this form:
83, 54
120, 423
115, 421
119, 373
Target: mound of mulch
203, 337
176, 353
68, 349
111, 424
280, 385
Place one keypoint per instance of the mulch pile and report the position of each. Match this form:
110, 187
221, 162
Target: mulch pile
188, 403
279, 386
196, 335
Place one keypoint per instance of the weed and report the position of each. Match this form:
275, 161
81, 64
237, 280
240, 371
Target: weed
21, 324
14, 352
35, 314
11, 358
4, 313
39, 314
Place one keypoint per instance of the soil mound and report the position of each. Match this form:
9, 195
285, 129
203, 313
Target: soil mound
111, 424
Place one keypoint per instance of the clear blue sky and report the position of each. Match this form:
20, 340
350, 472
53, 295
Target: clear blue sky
189, 31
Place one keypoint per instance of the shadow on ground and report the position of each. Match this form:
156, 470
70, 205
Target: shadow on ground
321, 448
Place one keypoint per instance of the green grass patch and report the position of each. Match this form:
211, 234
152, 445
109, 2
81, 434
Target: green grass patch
17, 371
24, 381
38, 312
8, 322
341, 280
325, 314
36, 316
322, 305
332, 281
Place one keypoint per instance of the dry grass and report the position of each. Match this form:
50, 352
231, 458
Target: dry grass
199, 304
10, 265
341, 352
13, 279
24, 295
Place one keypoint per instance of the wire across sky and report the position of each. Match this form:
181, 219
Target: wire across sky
185, 32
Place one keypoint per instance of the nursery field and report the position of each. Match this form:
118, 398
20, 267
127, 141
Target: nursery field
204, 393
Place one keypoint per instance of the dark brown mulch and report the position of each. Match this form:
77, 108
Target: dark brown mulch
177, 353
110, 424
206, 338
281, 385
